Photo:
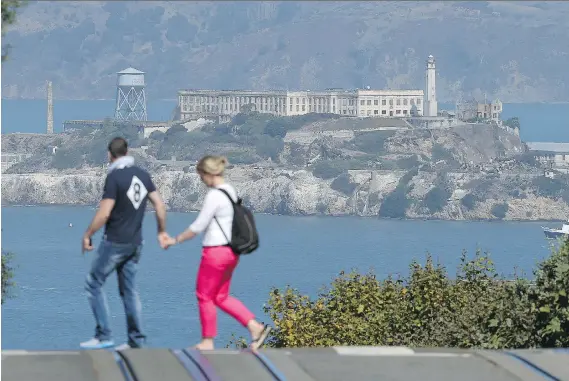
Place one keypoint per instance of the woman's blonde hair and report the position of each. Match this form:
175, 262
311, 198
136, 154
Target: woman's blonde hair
213, 165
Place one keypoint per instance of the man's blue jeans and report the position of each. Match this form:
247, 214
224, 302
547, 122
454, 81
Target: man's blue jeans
124, 259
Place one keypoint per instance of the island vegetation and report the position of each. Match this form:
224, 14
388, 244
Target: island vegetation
475, 308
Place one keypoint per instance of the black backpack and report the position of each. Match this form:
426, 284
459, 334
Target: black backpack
244, 236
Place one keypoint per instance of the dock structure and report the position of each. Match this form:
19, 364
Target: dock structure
291, 364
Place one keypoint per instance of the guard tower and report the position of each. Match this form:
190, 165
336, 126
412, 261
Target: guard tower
131, 97
430, 105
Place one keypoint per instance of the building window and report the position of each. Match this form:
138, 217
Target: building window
383, 112
334, 101
303, 108
297, 108
369, 102
412, 101
362, 102
375, 112
404, 112
391, 102
334, 109
398, 112
296, 100
405, 101
398, 101
303, 101
383, 102
344, 112
375, 102
368, 112
418, 101
290, 107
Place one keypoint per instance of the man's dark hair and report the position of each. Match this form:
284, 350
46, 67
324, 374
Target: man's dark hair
118, 147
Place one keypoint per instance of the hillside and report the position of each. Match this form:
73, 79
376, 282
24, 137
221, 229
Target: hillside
510, 50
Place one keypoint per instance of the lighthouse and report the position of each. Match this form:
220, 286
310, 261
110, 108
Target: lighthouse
430, 104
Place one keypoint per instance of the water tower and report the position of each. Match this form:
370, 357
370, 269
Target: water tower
131, 97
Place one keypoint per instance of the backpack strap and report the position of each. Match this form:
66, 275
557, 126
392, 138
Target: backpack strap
215, 218
227, 194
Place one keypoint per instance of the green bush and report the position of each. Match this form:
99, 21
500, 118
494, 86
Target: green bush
343, 184
469, 201
436, 199
499, 210
269, 147
549, 301
547, 187
7, 275
512, 122
395, 204
475, 308
326, 170
408, 162
372, 142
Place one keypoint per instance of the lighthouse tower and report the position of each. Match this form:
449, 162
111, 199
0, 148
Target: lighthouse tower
430, 104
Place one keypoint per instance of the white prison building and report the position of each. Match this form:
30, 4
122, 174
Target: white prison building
360, 102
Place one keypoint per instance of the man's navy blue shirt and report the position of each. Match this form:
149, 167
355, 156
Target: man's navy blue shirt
129, 187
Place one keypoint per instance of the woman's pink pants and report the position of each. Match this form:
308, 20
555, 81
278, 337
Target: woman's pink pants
212, 289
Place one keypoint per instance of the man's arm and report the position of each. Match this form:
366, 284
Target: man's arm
110, 191
101, 217
160, 208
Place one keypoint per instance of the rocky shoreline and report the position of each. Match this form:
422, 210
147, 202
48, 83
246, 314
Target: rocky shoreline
299, 192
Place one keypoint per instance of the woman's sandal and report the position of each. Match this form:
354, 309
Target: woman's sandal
258, 342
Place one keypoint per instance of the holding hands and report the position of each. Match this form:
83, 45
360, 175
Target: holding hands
165, 240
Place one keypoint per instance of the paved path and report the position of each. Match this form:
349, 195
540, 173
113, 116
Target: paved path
298, 364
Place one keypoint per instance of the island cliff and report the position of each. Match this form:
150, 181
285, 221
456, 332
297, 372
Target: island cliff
326, 167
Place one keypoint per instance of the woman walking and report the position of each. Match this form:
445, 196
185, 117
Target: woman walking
218, 259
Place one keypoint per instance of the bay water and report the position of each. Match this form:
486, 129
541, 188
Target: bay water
49, 309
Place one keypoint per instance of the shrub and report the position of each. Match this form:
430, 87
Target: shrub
156, 135
7, 275
343, 184
408, 162
325, 170
468, 201
372, 142
549, 300
547, 187
477, 308
395, 204
436, 199
499, 210
269, 147
426, 308
512, 122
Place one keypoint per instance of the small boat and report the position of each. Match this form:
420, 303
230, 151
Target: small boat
556, 233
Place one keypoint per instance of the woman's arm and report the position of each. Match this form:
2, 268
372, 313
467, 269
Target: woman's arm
210, 205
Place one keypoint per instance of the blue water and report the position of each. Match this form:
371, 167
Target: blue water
50, 309
539, 121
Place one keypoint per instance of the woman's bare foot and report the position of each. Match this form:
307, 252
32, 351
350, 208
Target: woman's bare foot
259, 333
255, 329
205, 345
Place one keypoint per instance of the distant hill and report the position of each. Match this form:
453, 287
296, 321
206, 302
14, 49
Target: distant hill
515, 51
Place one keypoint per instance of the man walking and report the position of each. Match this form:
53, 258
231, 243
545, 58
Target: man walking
125, 194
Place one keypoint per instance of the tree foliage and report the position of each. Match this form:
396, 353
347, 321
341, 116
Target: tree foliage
9, 8
476, 308
7, 275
